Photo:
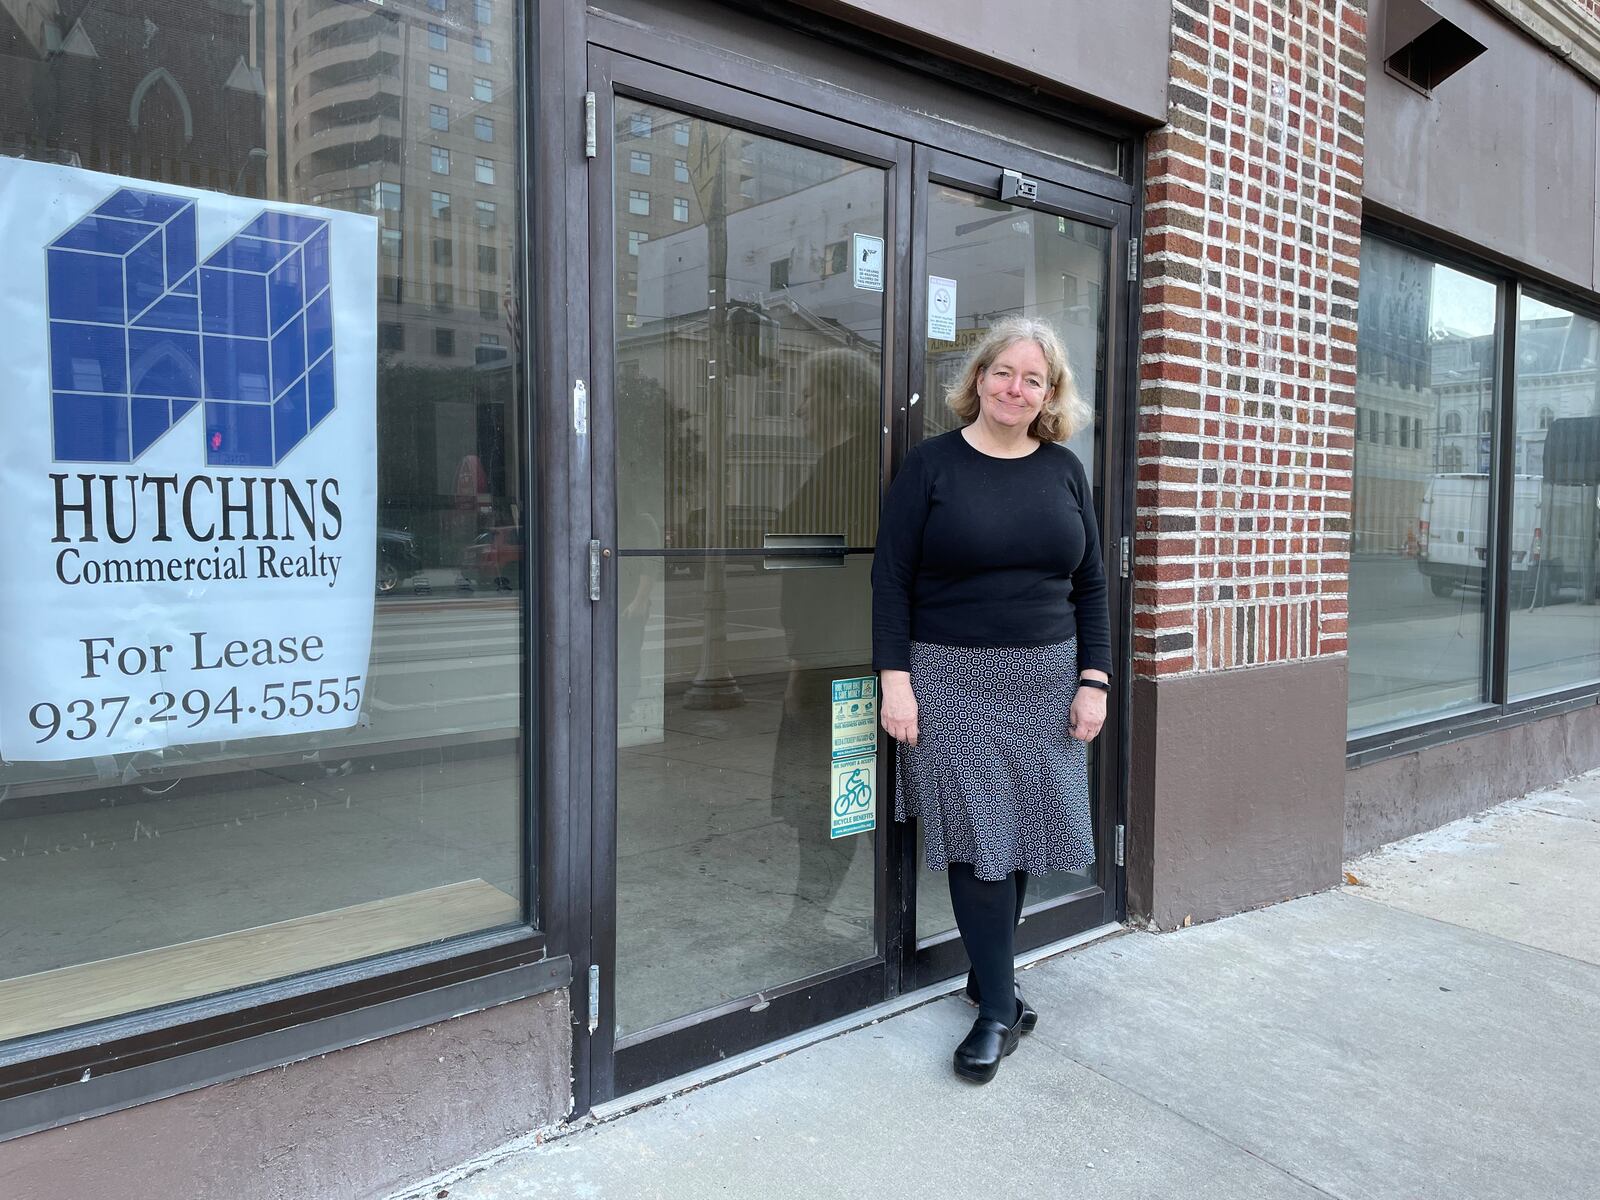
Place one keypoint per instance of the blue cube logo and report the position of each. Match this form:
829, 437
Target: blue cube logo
142, 331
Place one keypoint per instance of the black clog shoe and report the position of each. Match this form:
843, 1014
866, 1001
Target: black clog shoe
978, 1056
1030, 1018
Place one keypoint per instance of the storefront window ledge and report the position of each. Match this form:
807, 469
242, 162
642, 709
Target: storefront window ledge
79, 1074
1374, 747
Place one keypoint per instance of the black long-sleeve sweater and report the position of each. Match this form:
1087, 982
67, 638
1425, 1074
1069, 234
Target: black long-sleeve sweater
981, 551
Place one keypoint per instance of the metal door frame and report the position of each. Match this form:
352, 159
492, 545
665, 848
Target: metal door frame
577, 277
619, 1066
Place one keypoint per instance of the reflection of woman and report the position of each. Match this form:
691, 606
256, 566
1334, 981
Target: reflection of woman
991, 632
838, 408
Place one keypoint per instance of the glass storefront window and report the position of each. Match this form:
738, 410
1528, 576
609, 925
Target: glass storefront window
134, 880
1420, 525
1554, 631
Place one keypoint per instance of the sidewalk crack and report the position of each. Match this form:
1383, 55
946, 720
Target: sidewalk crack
1550, 812
1472, 929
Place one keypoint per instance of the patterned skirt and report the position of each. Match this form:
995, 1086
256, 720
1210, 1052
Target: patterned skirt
995, 778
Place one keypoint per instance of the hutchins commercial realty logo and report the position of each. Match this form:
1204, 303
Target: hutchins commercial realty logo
188, 523
142, 332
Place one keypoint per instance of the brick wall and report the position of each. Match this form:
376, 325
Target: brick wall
1247, 356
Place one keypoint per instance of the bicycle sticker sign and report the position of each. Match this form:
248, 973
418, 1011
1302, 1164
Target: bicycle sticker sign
854, 807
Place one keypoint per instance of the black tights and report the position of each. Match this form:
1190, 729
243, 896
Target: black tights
987, 915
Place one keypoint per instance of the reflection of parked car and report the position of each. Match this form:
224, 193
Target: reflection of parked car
494, 559
397, 559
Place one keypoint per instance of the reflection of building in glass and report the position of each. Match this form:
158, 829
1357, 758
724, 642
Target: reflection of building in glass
1557, 377
1397, 430
791, 217
406, 111
789, 294
166, 90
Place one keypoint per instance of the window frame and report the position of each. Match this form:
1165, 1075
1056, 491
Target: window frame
1511, 281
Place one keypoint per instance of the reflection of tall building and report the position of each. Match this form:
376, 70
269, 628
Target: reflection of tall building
407, 111
669, 166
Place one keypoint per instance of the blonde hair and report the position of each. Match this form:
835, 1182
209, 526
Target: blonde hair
1064, 413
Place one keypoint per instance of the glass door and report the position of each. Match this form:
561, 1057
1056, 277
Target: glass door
764, 351
745, 332
1045, 251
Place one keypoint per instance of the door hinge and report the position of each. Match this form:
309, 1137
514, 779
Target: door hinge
594, 569
1133, 259
1125, 557
589, 149
1121, 845
594, 997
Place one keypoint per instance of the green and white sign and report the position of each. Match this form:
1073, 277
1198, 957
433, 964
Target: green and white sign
855, 796
855, 717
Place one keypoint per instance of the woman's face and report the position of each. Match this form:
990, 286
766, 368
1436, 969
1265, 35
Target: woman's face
1014, 387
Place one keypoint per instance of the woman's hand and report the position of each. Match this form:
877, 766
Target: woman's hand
1088, 712
897, 711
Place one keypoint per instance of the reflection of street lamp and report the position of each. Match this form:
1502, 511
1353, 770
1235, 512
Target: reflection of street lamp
714, 685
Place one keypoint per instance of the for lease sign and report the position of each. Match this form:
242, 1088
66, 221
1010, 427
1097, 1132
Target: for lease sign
187, 468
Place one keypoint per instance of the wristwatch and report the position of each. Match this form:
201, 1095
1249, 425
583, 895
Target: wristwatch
1101, 684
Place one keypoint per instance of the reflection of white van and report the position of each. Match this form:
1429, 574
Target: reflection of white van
1548, 534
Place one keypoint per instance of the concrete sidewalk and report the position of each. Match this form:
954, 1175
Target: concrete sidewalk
1432, 1030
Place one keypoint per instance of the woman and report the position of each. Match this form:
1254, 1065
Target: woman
993, 643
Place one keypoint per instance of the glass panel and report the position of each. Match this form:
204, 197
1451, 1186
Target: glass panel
1010, 261
1555, 621
1419, 538
745, 411
131, 880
